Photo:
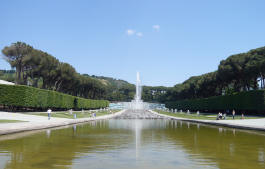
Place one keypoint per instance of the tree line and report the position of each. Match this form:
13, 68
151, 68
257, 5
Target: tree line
40, 69
239, 72
36, 68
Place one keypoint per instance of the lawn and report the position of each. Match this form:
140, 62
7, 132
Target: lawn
10, 121
202, 116
79, 114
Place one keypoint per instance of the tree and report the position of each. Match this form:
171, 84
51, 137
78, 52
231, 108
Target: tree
14, 55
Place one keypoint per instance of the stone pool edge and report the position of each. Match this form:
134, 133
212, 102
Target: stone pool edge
224, 123
30, 126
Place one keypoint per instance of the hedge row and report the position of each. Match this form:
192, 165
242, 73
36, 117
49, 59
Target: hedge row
28, 97
252, 101
91, 104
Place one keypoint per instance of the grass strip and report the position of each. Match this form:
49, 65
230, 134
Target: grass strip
203, 116
10, 121
85, 114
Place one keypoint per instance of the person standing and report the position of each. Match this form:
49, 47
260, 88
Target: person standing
49, 111
233, 114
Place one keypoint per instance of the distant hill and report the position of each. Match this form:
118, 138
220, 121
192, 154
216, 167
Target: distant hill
117, 89
125, 91
117, 83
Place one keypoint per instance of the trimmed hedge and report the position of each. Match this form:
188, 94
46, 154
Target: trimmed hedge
20, 96
251, 101
91, 104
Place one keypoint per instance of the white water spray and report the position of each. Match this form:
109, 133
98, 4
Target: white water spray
137, 103
138, 94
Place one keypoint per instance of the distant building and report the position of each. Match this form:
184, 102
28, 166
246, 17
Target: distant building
6, 82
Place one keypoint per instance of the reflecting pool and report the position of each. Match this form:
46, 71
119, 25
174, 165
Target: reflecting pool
130, 144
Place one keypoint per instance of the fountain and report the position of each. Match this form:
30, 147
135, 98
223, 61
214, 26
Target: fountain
137, 109
137, 103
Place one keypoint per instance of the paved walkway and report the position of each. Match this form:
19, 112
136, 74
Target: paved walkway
34, 122
251, 124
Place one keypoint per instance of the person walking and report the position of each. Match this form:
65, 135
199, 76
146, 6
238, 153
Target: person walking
233, 114
49, 111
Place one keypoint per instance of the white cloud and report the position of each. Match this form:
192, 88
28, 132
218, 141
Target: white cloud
156, 27
130, 32
139, 34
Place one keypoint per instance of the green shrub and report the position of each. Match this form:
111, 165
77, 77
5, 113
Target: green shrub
28, 97
252, 101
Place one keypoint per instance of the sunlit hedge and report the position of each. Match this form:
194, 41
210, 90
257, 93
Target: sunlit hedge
252, 101
91, 104
28, 97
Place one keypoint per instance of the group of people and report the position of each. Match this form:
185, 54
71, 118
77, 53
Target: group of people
221, 116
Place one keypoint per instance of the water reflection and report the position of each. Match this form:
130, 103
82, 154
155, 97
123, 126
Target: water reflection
48, 133
138, 129
198, 126
134, 144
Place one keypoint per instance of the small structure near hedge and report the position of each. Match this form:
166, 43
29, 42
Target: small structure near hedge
18, 97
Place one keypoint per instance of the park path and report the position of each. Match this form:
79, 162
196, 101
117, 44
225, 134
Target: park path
251, 124
35, 122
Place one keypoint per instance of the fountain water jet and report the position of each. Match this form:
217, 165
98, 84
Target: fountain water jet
138, 94
137, 108
137, 103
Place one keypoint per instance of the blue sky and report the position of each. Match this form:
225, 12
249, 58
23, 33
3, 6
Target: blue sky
167, 41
